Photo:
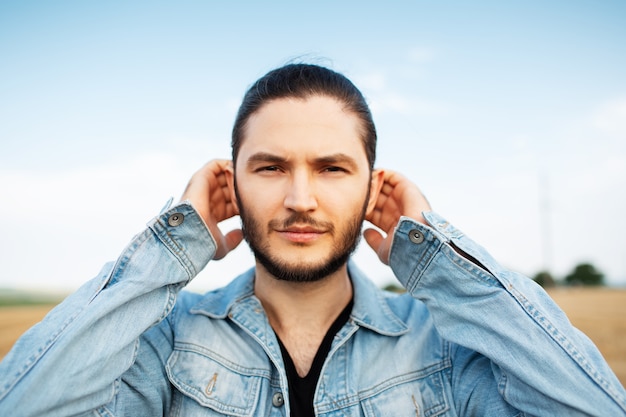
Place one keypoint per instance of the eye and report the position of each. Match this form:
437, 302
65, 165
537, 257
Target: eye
268, 168
334, 169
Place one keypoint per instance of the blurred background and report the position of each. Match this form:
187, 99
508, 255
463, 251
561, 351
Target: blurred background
510, 117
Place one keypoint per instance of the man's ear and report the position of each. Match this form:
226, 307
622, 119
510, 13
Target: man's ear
229, 172
376, 184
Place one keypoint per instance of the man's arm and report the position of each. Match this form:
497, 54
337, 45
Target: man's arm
72, 361
540, 363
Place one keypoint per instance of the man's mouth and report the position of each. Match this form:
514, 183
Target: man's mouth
301, 234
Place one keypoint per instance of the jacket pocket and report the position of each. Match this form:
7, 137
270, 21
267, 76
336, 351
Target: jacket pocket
405, 396
215, 383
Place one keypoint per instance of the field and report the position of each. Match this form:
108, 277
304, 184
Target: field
599, 312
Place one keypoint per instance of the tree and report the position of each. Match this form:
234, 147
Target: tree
394, 288
545, 279
585, 274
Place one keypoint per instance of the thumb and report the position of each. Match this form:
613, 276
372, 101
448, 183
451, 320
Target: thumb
233, 238
376, 241
229, 241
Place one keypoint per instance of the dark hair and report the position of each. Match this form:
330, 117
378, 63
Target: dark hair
303, 81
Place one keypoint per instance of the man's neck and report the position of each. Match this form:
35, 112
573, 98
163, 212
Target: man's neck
301, 313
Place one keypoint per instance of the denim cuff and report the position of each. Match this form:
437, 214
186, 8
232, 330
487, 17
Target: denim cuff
183, 232
413, 247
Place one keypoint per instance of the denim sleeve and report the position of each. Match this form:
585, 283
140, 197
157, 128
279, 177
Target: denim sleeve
539, 362
73, 360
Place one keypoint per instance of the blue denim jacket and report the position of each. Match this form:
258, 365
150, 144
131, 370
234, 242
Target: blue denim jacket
469, 338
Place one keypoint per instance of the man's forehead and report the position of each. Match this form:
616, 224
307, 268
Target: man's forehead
315, 108
318, 126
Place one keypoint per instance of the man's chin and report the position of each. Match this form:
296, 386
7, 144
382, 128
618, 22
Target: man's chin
299, 271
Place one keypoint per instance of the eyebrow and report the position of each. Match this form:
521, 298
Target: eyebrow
264, 157
336, 158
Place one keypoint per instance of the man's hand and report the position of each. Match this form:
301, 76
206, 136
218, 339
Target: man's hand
209, 194
398, 197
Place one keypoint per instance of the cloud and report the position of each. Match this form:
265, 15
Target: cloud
611, 117
105, 185
421, 54
394, 89
371, 81
58, 228
406, 105
384, 97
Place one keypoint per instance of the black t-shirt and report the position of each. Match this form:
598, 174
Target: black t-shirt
302, 389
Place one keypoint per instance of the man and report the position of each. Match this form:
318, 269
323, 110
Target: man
305, 332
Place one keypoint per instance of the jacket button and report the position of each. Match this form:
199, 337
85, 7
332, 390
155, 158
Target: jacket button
278, 400
176, 219
416, 236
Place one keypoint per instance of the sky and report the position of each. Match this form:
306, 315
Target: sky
510, 116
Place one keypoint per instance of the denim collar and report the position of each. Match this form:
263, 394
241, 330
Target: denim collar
370, 309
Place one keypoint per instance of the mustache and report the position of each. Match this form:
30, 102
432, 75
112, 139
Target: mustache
301, 219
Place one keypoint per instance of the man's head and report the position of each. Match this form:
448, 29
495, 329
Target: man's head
303, 81
303, 152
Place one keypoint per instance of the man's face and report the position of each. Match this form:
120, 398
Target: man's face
302, 183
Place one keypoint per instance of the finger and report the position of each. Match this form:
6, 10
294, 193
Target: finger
221, 205
212, 177
231, 240
387, 189
373, 238
376, 241
385, 214
234, 238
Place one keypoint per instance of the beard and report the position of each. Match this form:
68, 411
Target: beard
345, 243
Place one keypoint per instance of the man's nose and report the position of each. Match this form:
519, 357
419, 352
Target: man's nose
300, 195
